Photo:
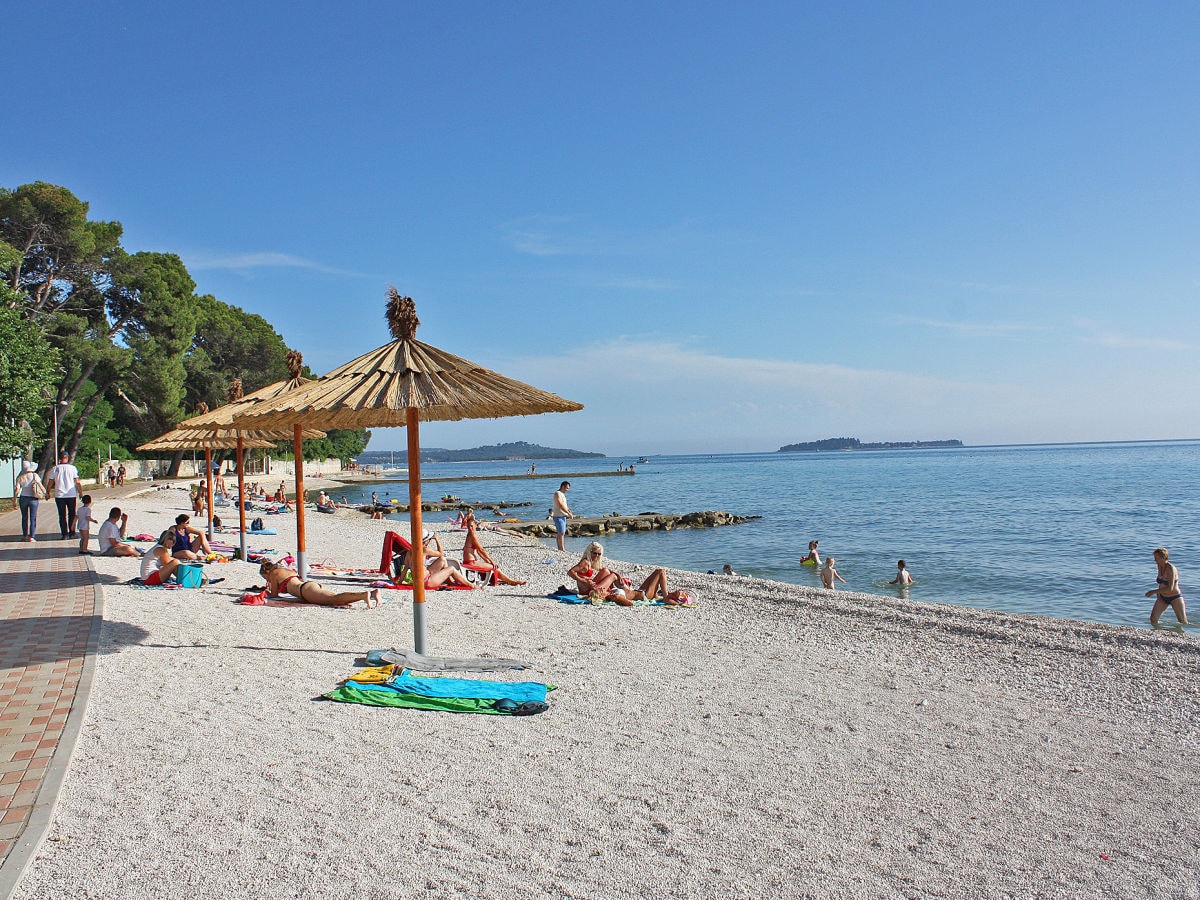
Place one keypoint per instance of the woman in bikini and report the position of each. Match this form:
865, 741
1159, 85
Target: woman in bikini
281, 580
473, 551
590, 576
1167, 593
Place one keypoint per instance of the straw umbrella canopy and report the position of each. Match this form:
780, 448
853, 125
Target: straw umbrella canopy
220, 420
208, 441
402, 384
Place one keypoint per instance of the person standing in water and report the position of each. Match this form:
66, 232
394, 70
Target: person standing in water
829, 573
560, 512
903, 578
812, 558
1167, 593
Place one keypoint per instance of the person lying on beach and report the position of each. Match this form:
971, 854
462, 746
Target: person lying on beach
112, 535
438, 570
190, 542
473, 551
157, 563
1167, 593
829, 573
903, 577
281, 580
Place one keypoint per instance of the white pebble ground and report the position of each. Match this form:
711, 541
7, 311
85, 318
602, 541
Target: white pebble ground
775, 741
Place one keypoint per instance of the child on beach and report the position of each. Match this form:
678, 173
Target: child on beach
903, 578
84, 519
829, 573
812, 558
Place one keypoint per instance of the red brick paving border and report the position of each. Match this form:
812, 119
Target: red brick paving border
50, 615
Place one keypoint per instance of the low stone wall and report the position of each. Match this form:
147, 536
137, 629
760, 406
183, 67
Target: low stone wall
647, 521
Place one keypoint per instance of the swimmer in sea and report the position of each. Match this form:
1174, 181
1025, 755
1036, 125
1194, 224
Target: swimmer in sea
903, 578
812, 558
829, 573
1167, 593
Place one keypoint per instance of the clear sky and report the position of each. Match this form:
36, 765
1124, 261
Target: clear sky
720, 227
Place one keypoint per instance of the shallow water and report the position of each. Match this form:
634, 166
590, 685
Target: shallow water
1061, 530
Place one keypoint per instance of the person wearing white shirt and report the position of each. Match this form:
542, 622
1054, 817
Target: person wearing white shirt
64, 479
112, 535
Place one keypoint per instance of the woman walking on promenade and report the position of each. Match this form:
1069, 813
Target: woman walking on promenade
30, 492
1167, 593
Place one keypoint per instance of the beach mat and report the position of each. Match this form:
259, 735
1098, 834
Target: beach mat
411, 659
379, 687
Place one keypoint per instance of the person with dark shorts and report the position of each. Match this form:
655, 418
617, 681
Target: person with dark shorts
1167, 593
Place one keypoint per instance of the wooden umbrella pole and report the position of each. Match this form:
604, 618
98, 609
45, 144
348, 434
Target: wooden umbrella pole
416, 531
208, 481
241, 497
298, 456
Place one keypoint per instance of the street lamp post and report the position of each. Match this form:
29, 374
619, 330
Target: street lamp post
56, 406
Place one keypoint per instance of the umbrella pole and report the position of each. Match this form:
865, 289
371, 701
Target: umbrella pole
416, 531
241, 500
209, 482
298, 457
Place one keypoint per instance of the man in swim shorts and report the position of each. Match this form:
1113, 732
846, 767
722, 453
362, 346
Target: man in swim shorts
560, 512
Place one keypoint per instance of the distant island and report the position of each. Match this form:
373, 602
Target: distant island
856, 444
517, 451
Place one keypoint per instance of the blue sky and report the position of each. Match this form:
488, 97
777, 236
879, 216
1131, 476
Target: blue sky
719, 227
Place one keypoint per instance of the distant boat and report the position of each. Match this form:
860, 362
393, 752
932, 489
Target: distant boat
643, 459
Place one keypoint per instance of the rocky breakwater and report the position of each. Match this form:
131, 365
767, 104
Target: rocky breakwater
647, 521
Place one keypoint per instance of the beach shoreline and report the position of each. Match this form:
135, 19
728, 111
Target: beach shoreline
776, 740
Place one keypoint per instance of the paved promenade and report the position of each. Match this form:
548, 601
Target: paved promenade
50, 614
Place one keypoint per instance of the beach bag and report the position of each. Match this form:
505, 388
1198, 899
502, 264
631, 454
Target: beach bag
190, 576
39, 489
257, 525
681, 598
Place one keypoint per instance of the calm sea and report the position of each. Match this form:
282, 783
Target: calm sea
1059, 530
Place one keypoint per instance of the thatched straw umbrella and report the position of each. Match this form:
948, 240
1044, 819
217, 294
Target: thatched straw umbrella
220, 420
400, 385
208, 441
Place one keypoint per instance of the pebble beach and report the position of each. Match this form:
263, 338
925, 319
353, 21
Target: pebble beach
773, 741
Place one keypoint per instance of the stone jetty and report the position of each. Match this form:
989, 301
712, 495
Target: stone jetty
647, 521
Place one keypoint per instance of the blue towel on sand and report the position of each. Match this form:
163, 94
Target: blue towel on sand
465, 688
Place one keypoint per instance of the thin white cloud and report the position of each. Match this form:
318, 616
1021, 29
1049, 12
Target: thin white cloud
244, 262
1100, 333
974, 329
1127, 342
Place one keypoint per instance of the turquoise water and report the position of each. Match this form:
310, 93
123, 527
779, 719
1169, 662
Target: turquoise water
1060, 530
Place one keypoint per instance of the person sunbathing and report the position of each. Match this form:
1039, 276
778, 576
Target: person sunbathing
589, 574
473, 552
157, 563
281, 580
190, 542
438, 571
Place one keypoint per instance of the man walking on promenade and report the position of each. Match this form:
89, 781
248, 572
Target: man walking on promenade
560, 512
64, 478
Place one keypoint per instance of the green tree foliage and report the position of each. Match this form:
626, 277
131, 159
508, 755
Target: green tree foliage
136, 349
28, 367
60, 250
231, 343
